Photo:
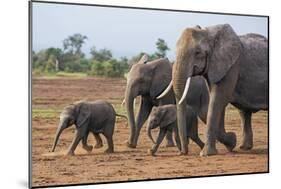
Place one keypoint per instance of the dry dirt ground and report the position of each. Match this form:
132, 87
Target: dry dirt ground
51, 95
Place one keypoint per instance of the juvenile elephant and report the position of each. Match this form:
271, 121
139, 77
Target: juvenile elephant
148, 80
165, 118
236, 69
95, 117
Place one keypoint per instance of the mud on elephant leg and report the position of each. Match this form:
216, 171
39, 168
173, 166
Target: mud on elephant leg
98, 140
247, 141
227, 138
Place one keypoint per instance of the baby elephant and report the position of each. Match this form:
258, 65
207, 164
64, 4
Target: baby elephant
95, 117
165, 118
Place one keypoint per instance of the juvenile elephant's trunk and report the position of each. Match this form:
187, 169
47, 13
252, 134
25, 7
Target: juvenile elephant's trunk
58, 133
149, 134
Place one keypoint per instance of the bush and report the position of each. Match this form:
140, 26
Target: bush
110, 68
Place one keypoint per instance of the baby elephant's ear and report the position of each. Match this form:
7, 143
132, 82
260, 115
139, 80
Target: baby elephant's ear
167, 117
83, 115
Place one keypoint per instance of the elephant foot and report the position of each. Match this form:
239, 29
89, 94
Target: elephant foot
231, 141
246, 145
109, 150
98, 145
151, 152
88, 148
181, 154
70, 153
170, 144
130, 145
208, 151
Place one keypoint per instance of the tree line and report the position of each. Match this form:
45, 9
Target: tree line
100, 63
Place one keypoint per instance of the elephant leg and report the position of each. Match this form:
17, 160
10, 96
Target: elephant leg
216, 108
221, 94
160, 138
110, 148
143, 113
87, 147
227, 138
108, 133
169, 138
98, 140
192, 131
79, 134
247, 141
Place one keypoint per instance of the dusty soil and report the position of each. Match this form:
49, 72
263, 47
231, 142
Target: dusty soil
127, 164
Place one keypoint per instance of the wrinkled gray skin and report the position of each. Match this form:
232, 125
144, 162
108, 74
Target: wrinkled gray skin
236, 69
149, 79
95, 117
165, 118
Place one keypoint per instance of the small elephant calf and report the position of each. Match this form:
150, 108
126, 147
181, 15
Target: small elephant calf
95, 117
165, 117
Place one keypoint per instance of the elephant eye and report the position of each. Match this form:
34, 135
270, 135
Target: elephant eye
197, 52
71, 121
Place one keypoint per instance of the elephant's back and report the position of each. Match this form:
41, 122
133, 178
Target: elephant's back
102, 110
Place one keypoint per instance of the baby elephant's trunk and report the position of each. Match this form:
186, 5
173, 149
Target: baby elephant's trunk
58, 133
149, 134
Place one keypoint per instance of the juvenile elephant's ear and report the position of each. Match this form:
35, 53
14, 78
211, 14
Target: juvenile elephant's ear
161, 78
167, 117
83, 114
226, 51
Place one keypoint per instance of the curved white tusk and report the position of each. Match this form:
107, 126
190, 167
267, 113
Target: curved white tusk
166, 91
123, 102
185, 90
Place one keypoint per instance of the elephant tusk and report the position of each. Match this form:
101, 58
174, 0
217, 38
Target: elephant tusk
166, 91
123, 102
185, 90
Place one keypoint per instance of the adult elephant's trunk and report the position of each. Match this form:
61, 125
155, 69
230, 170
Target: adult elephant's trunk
129, 102
181, 81
149, 134
58, 133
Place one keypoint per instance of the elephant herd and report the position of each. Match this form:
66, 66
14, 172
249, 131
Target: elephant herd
213, 67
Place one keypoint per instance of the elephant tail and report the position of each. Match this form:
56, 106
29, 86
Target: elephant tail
123, 116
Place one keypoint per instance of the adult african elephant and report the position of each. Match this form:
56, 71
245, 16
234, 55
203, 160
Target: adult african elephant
149, 79
236, 69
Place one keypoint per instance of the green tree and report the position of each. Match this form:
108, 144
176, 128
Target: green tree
73, 43
101, 55
45, 60
162, 48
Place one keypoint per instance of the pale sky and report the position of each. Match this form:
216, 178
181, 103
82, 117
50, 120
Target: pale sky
126, 32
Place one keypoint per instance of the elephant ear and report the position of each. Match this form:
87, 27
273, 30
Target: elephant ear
83, 115
225, 53
161, 76
143, 59
167, 116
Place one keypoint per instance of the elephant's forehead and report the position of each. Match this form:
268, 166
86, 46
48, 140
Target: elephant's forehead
137, 70
186, 38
